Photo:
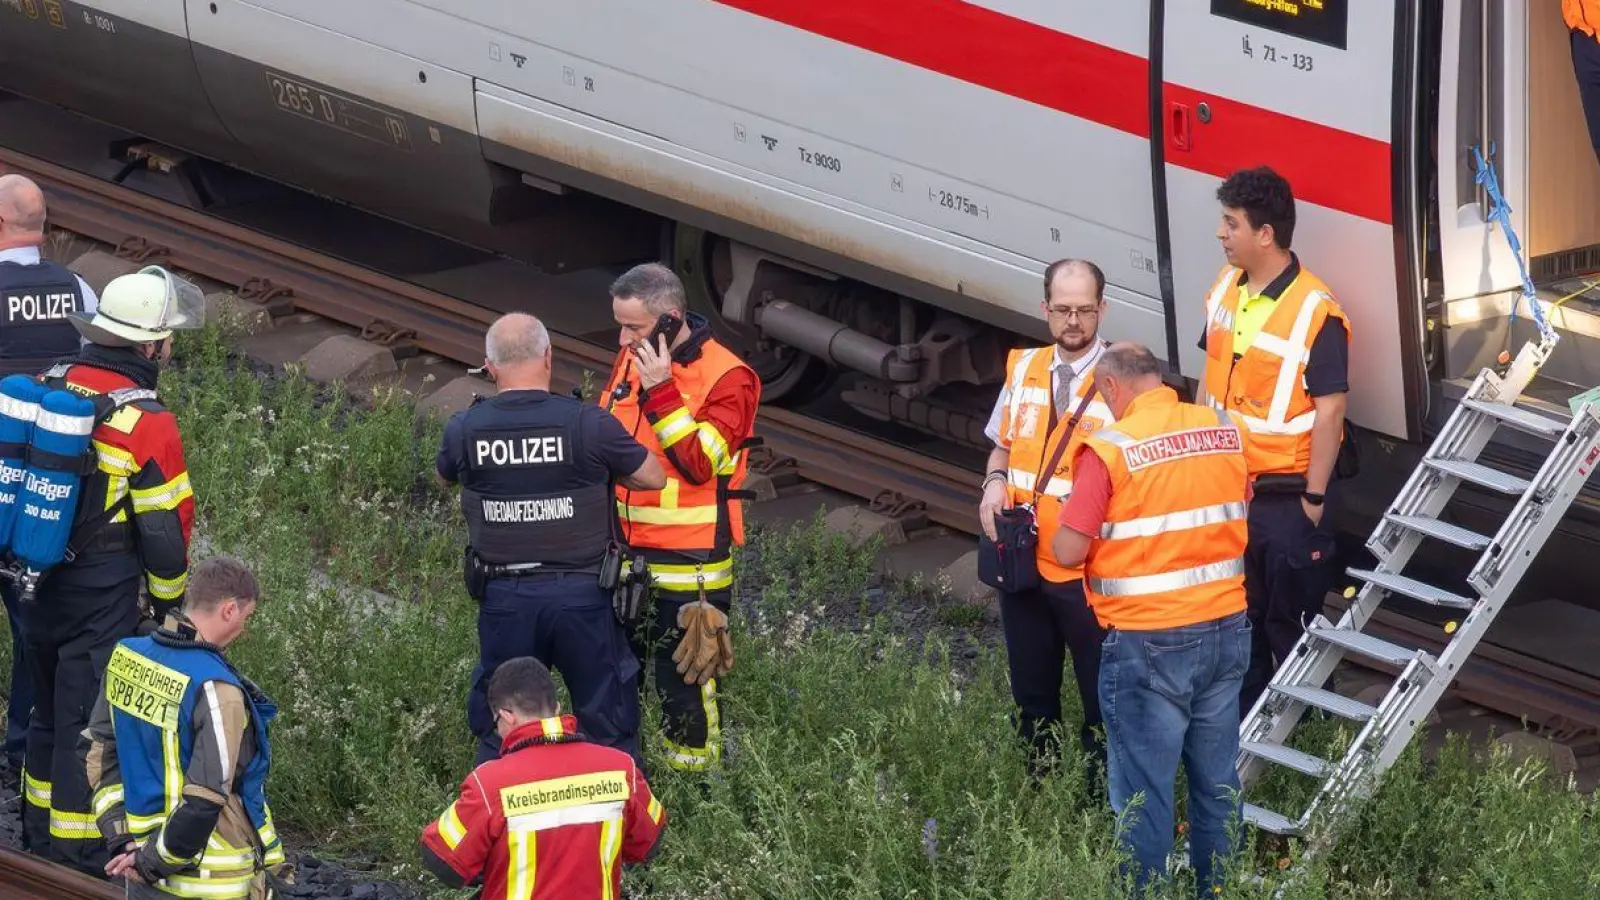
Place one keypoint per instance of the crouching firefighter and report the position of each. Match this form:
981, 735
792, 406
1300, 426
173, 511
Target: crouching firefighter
177, 753
131, 516
535, 471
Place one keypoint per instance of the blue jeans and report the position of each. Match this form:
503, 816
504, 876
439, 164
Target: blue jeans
1170, 695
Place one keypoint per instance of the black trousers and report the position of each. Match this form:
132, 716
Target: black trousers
1040, 627
20, 705
71, 628
691, 714
564, 620
1289, 565
1586, 70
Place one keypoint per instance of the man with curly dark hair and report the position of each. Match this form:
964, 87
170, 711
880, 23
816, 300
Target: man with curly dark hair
1277, 355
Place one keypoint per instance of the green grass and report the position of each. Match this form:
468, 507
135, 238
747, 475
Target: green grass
862, 762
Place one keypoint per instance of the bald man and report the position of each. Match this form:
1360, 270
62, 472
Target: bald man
536, 472
36, 296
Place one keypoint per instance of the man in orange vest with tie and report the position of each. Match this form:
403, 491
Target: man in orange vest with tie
1157, 518
1033, 430
1277, 355
1583, 23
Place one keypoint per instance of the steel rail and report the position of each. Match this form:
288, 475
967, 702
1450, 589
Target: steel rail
453, 328
26, 877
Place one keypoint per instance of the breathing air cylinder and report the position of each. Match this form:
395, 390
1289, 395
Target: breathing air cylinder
48, 502
19, 407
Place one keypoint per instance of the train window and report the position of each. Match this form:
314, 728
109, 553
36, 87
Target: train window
1324, 21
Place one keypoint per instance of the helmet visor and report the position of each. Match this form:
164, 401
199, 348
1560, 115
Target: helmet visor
185, 307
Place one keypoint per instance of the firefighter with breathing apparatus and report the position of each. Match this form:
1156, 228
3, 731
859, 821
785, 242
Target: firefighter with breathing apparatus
95, 504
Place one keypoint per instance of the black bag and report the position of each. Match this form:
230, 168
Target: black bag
1010, 563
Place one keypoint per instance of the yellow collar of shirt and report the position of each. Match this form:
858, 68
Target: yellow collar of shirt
1253, 312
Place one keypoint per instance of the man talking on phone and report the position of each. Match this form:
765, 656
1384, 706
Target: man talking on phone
692, 403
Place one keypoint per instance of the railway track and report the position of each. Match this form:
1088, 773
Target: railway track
912, 489
25, 877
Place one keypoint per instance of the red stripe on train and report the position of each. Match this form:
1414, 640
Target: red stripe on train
1326, 166
1337, 169
986, 48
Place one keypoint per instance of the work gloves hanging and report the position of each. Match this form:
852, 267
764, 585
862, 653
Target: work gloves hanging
706, 651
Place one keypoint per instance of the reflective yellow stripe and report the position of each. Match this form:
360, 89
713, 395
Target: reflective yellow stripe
213, 888
668, 499
676, 577
551, 727
523, 850
167, 856
143, 825
38, 791
167, 496
450, 828
166, 588
655, 810
107, 797
673, 427
610, 846
115, 460
73, 826
685, 758
716, 449
659, 515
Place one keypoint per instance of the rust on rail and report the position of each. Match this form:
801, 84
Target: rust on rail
26, 877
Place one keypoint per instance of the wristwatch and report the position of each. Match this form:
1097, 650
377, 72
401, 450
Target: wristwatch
1313, 499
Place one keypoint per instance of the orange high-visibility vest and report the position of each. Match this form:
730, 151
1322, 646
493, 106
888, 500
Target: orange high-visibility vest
1581, 15
1266, 386
1025, 419
1171, 551
691, 522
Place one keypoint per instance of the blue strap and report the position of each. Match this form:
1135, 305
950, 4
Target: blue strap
1500, 211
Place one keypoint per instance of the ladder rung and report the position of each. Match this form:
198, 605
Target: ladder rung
1267, 820
1520, 418
1364, 644
1338, 704
1415, 589
1297, 760
1444, 531
1494, 479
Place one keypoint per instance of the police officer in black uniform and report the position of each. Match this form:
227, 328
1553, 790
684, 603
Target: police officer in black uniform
536, 472
36, 296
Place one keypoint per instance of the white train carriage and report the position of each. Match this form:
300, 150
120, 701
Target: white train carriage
900, 171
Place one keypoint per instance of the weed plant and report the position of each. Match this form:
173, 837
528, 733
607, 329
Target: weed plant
862, 761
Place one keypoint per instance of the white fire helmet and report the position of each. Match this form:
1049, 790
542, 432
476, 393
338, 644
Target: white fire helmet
141, 308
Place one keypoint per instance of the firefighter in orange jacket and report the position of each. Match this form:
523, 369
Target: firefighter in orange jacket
692, 404
1032, 431
1277, 355
132, 530
1157, 518
552, 817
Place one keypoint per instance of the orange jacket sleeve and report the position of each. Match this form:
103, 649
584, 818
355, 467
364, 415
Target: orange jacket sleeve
724, 423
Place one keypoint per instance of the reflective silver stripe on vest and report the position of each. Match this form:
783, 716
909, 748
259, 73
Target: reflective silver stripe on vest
1167, 581
1150, 526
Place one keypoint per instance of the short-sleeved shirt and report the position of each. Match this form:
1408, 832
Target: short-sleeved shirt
1328, 370
608, 450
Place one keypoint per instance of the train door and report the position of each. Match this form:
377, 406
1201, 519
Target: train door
1306, 88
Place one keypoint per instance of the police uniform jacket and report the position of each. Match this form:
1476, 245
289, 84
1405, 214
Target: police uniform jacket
36, 297
535, 471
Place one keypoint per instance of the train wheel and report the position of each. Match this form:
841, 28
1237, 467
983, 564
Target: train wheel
788, 376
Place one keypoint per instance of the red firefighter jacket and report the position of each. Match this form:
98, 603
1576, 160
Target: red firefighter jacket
551, 818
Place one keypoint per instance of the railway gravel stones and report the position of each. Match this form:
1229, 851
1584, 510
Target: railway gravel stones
456, 395
98, 267
346, 358
860, 525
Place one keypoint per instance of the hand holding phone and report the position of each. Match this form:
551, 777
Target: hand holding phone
654, 353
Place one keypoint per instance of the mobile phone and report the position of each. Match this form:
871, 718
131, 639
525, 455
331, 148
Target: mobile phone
667, 326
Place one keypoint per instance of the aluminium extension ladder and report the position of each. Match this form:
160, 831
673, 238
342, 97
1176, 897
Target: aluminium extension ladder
1387, 728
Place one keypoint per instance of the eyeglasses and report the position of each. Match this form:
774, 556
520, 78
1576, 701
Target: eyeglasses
1059, 312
